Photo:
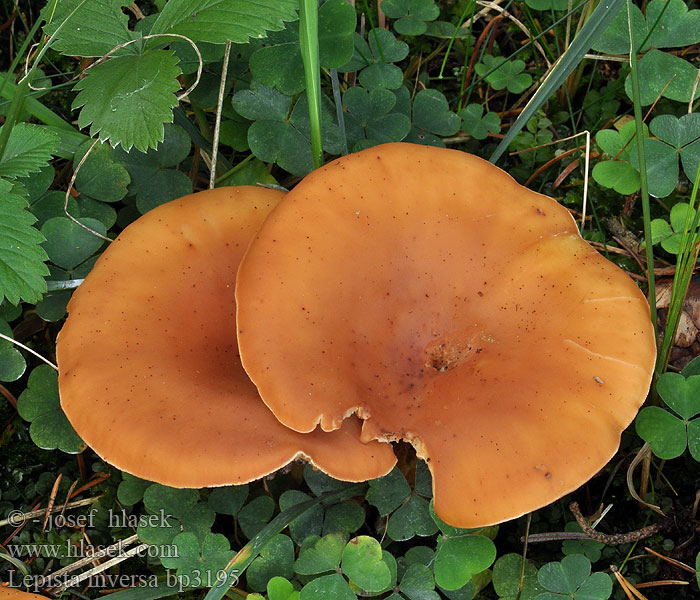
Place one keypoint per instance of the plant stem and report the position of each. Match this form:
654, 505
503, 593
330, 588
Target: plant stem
639, 125
308, 41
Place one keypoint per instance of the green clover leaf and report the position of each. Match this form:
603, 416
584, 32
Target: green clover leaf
667, 434
320, 554
477, 124
572, 578
502, 73
39, 403
278, 63
363, 563
460, 557
412, 15
198, 565
275, 560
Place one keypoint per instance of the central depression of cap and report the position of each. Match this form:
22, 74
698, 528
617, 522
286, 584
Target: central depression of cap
451, 307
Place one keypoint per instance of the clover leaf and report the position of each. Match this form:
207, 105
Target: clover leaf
363, 563
154, 181
669, 434
670, 235
432, 117
275, 560
683, 135
39, 403
12, 363
374, 60
502, 73
412, 15
617, 172
511, 582
281, 134
198, 565
369, 120
410, 519
460, 557
572, 578
278, 63
477, 124
320, 554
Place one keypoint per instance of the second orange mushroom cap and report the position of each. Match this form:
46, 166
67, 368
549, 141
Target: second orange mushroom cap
446, 305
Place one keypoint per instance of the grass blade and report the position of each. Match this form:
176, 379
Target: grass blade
308, 40
644, 193
595, 25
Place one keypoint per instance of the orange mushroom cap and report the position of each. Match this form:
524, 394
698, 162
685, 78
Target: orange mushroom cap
11, 593
149, 372
448, 306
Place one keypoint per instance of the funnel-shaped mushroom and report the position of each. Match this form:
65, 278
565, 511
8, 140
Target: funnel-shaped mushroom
149, 372
451, 307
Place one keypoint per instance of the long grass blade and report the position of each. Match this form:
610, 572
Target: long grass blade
308, 40
596, 24
644, 193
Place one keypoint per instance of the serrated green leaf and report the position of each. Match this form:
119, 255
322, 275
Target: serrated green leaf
22, 267
127, 99
89, 28
220, 20
28, 149
39, 404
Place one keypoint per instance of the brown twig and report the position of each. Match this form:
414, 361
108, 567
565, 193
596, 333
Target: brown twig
616, 538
